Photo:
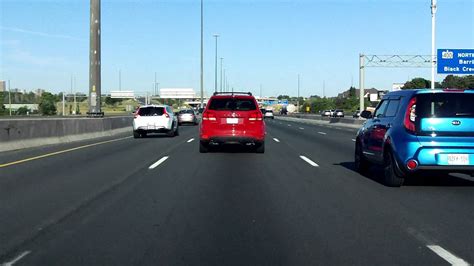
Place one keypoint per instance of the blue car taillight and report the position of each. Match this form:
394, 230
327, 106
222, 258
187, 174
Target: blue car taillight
410, 116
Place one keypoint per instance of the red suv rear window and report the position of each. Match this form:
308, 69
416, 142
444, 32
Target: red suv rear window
232, 104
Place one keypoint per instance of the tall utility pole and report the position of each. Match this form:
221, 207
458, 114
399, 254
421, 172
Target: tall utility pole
215, 68
433, 35
202, 56
298, 98
221, 75
9, 98
94, 61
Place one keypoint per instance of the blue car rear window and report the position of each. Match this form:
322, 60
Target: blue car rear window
445, 105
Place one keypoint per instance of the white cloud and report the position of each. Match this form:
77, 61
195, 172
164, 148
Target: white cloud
13, 54
43, 34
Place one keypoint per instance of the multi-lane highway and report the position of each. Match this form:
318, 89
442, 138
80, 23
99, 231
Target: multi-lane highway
158, 201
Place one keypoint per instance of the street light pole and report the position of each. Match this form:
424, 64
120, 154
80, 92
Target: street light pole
202, 56
221, 74
433, 35
215, 68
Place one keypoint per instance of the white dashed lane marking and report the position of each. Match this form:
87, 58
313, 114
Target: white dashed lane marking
190, 140
301, 128
15, 260
447, 256
322, 133
160, 161
276, 140
304, 158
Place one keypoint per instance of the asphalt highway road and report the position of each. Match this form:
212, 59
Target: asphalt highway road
158, 201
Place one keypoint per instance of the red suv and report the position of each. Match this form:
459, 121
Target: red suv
232, 118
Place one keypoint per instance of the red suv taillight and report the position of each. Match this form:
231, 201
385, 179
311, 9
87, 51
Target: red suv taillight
410, 116
256, 116
207, 116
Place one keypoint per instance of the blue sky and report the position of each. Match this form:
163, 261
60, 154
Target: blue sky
44, 42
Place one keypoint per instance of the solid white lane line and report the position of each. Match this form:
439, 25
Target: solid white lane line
153, 166
322, 133
190, 140
21, 256
353, 140
275, 139
301, 128
304, 158
447, 256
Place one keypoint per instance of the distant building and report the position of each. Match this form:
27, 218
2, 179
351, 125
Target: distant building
372, 94
178, 93
3, 86
15, 106
39, 92
16, 90
397, 86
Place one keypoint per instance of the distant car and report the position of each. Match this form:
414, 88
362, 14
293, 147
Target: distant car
232, 118
268, 114
356, 114
326, 113
331, 112
187, 116
338, 113
413, 131
155, 119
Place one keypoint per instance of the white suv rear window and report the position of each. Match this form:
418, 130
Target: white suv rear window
151, 111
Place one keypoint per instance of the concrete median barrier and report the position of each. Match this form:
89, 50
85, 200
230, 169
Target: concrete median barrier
317, 119
27, 133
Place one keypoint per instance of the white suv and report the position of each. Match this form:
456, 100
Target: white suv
155, 119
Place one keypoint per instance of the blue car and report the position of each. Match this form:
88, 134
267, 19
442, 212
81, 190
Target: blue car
418, 130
